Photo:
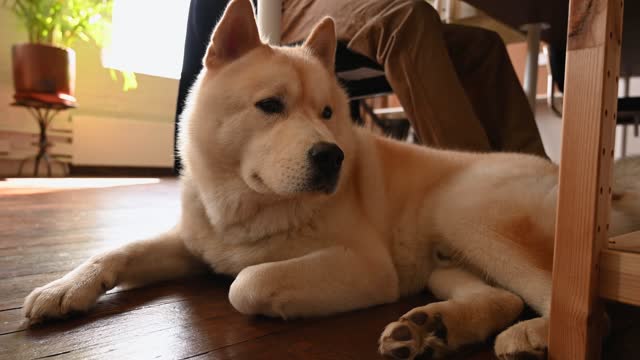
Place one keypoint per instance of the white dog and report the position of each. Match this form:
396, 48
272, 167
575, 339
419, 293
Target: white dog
315, 216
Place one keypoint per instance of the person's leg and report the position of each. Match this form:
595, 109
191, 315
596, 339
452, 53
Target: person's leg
203, 16
486, 73
407, 40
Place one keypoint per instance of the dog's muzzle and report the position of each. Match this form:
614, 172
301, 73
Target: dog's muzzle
325, 160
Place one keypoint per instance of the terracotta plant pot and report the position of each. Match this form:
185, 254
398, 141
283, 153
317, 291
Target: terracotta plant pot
44, 73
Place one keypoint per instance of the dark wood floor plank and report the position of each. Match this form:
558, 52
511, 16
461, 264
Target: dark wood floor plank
350, 336
45, 259
180, 341
13, 290
11, 320
119, 300
120, 323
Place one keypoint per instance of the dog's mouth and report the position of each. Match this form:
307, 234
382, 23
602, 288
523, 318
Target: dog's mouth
322, 182
257, 178
317, 182
258, 184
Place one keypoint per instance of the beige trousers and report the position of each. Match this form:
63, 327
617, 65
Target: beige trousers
456, 83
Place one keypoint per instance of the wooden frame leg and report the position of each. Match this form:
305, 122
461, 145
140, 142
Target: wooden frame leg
589, 118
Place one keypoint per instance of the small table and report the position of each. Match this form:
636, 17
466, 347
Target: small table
44, 113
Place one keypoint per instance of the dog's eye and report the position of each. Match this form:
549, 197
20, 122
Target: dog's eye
327, 113
271, 105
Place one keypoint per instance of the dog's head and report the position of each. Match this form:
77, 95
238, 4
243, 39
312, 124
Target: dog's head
275, 117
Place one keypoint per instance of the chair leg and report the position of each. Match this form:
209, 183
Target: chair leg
269, 19
531, 66
623, 142
354, 108
589, 118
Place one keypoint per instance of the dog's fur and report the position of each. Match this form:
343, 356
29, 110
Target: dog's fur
477, 229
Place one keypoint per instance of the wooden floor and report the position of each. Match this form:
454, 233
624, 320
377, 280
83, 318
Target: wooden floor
47, 230
45, 234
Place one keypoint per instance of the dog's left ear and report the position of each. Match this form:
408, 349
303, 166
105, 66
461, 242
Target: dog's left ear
322, 42
235, 35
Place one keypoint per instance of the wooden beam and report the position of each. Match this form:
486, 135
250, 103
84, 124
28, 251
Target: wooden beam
628, 242
593, 57
620, 276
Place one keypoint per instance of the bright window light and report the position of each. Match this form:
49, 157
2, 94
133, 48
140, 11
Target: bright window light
148, 37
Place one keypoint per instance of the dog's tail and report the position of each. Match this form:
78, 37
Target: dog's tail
625, 204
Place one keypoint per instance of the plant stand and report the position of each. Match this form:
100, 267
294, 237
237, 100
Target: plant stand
43, 113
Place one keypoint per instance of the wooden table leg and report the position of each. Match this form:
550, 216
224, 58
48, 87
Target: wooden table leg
590, 105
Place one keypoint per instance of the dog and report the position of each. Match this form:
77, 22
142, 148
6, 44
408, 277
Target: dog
315, 216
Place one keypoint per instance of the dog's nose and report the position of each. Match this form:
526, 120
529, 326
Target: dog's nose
326, 157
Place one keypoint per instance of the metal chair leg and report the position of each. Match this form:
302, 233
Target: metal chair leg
623, 142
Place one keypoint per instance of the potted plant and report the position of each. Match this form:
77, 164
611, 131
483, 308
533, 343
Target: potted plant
44, 67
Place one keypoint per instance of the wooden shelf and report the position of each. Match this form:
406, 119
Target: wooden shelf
628, 242
620, 269
620, 276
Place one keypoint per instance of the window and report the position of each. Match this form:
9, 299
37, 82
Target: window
148, 37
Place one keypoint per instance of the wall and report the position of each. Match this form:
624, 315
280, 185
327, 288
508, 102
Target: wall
98, 96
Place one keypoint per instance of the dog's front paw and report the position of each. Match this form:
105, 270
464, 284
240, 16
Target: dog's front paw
526, 340
420, 331
255, 292
75, 292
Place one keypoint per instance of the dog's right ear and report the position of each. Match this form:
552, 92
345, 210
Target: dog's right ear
322, 42
235, 35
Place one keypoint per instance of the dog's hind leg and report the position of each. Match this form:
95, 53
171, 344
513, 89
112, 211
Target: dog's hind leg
472, 312
137, 263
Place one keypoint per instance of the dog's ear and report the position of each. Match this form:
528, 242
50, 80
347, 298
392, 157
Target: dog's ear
322, 42
235, 35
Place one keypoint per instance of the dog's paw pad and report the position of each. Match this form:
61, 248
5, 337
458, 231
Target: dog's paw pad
435, 326
416, 333
401, 333
402, 352
399, 341
431, 327
418, 318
